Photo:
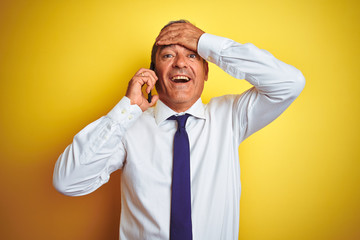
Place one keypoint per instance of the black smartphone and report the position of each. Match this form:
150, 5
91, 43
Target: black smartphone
152, 67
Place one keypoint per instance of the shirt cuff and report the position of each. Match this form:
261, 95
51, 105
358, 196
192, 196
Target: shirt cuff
210, 46
125, 113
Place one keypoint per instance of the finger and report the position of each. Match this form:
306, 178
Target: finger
152, 75
180, 38
176, 28
139, 80
170, 35
184, 34
165, 30
168, 41
149, 73
138, 73
148, 80
153, 100
171, 30
144, 72
145, 78
150, 85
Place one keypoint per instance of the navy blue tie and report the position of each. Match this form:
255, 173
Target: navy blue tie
180, 220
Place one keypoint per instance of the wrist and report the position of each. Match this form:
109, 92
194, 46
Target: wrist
124, 112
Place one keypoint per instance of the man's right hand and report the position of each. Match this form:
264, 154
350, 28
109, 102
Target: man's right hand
134, 93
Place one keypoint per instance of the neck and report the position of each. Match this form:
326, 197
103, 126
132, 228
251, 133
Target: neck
179, 107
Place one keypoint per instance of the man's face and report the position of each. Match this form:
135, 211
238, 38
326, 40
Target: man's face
181, 74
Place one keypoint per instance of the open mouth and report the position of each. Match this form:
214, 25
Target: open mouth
180, 79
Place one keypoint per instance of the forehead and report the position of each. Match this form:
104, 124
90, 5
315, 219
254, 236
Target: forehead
174, 47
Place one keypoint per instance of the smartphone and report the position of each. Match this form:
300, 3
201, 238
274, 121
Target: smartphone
152, 67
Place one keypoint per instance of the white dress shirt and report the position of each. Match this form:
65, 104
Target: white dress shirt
141, 144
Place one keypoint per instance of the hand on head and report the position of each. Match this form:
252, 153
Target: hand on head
184, 34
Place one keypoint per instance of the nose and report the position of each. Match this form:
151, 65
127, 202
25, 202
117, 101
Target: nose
180, 61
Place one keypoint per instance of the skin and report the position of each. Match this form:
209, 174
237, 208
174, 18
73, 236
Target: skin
176, 56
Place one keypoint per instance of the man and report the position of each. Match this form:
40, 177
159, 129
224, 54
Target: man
139, 138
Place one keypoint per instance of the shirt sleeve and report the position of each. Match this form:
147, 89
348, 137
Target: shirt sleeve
276, 84
96, 151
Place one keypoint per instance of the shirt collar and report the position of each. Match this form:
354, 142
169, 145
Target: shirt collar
163, 112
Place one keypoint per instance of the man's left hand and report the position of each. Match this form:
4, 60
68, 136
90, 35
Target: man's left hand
184, 34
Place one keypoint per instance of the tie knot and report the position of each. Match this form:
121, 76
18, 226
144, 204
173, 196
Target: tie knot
180, 119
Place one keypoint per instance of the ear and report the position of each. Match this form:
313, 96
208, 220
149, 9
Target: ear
206, 69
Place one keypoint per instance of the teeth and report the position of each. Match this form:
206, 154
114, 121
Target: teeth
180, 78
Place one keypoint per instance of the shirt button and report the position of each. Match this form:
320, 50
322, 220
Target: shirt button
123, 111
209, 58
130, 117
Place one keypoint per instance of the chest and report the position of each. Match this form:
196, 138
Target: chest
149, 150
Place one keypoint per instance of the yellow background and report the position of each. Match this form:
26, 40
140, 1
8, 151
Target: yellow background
63, 64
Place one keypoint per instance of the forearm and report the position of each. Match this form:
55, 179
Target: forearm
269, 75
95, 152
276, 84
